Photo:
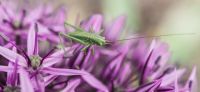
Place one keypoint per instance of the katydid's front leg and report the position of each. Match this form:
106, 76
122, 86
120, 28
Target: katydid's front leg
77, 29
86, 47
62, 43
66, 36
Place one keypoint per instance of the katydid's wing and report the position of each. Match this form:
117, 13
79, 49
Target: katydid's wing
79, 41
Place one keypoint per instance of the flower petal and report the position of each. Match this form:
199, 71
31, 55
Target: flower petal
114, 66
49, 79
12, 76
166, 89
113, 31
4, 14
55, 57
191, 84
57, 17
38, 83
34, 15
176, 89
169, 78
71, 85
125, 72
160, 55
95, 22
32, 41
91, 80
25, 82
45, 33
65, 72
7, 11
145, 71
150, 87
6, 68
12, 56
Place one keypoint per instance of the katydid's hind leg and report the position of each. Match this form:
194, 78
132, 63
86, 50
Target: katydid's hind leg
92, 49
70, 42
85, 48
71, 47
61, 43
66, 36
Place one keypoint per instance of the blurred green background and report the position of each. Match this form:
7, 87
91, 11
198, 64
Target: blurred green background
150, 17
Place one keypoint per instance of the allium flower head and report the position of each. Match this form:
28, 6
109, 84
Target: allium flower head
36, 64
16, 21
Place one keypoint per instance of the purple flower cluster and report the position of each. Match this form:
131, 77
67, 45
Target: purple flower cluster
32, 59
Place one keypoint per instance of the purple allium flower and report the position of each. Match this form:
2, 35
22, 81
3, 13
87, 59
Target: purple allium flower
16, 22
35, 64
129, 66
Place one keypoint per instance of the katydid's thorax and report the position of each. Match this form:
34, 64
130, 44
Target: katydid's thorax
87, 38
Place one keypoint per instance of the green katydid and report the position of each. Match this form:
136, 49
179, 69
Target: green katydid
89, 38
85, 38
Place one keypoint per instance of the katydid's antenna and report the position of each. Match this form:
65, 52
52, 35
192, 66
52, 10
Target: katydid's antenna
66, 23
153, 36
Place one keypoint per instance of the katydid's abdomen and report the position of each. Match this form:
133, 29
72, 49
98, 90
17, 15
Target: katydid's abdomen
86, 38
